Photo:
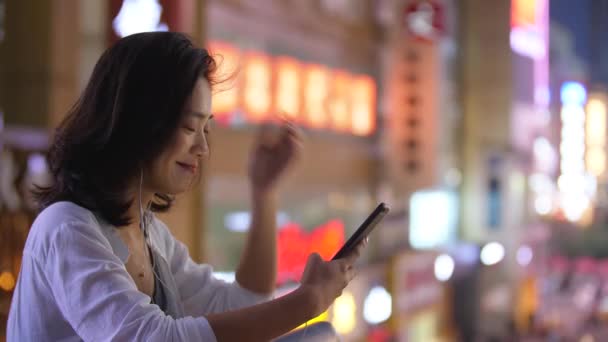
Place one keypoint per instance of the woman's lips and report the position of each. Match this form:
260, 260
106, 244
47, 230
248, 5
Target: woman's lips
187, 167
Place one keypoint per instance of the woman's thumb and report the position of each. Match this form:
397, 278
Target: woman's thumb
314, 258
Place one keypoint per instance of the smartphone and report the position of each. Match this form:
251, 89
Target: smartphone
363, 231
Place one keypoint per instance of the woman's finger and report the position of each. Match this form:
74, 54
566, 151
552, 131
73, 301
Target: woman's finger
354, 254
351, 274
349, 261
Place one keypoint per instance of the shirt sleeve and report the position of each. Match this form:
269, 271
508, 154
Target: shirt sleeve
99, 298
201, 293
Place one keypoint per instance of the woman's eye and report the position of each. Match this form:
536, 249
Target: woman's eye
189, 129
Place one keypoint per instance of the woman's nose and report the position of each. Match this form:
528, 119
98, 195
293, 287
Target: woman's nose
201, 147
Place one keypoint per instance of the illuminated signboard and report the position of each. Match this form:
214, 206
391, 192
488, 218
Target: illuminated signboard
573, 181
340, 105
225, 96
288, 89
596, 136
257, 75
528, 27
428, 230
261, 86
362, 100
316, 80
425, 20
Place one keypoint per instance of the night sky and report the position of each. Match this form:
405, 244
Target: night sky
588, 22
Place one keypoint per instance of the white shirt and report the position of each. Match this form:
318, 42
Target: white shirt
74, 286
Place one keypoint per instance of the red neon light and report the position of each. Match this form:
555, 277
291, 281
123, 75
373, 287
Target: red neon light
295, 244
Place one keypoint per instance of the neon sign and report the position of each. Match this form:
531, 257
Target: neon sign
425, 20
573, 180
289, 79
596, 136
257, 89
295, 245
311, 95
528, 27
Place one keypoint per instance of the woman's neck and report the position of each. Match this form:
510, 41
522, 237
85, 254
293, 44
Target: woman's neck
141, 202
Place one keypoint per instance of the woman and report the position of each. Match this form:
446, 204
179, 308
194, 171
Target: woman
98, 265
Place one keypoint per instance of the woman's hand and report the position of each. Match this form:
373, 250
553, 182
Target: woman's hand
272, 155
327, 279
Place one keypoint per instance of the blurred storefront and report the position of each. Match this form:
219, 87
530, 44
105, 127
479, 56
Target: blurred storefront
420, 137
509, 158
319, 67
422, 302
507, 121
316, 66
374, 89
372, 309
398, 300
37, 80
22, 164
422, 168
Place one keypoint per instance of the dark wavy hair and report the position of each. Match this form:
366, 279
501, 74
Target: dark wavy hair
126, 116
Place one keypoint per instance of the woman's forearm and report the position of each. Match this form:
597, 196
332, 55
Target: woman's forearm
269, 320
257, 270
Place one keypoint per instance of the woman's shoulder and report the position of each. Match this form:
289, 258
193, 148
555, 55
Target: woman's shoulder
64, 212
53, 220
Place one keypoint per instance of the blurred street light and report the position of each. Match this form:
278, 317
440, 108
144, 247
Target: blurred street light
492, 253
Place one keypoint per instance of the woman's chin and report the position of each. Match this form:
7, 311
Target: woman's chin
179, 189
173, 190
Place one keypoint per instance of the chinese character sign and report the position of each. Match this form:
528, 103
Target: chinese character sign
260, 86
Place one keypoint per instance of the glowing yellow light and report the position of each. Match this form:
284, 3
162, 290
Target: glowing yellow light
524, 13
596, 160
225, 97
338, 103
596, 137
7, 281
596, 123
343, 317
257, 91
316, 87
287, 91
321, 318
363, 102
312, 95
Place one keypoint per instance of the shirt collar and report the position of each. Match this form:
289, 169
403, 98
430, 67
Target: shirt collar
120, 249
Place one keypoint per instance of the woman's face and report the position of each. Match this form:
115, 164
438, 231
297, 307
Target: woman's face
178, 167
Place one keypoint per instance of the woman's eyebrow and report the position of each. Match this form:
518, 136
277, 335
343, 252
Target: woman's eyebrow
201, 115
